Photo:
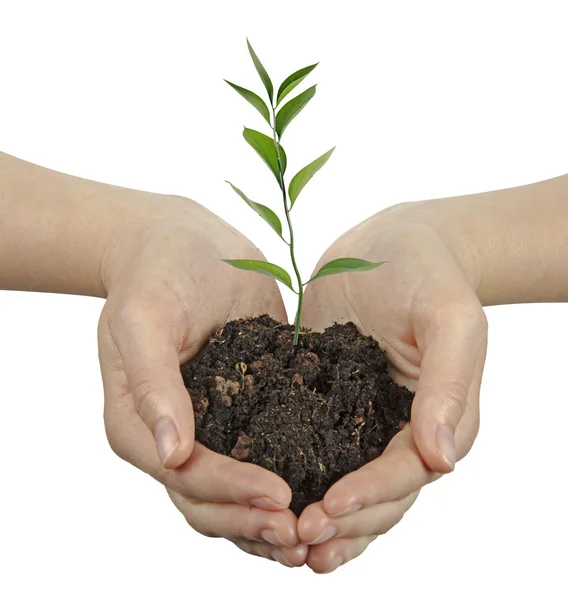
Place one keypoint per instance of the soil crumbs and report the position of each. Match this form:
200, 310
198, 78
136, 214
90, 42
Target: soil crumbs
310, 413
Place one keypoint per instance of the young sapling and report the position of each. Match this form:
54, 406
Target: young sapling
269, 148
313, 411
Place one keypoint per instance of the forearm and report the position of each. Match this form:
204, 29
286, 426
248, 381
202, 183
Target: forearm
512, 242
55, 229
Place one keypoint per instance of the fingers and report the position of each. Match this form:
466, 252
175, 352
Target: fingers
236, 522
452, 361
400, 470
150, 360
330, 556
206, 476
316, 527
289, 557
269, 534
139, 340
397, 473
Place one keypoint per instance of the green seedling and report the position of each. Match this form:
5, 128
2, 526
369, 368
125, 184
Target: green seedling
269, 148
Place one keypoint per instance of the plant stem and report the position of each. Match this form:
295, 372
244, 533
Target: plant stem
289, 221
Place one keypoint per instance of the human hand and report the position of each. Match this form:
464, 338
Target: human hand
423, 309
168, 291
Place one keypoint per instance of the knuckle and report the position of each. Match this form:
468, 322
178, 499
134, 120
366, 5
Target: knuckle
229, 476
454, 395
152, 311
125, 316
144, 392
389, 485
198, 524
417, 479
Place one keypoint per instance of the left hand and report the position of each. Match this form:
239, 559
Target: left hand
422, 308
168, 291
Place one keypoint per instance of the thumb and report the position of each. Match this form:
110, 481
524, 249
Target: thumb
447, 372
152, 368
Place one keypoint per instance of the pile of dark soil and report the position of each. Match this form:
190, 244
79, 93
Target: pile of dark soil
310, 413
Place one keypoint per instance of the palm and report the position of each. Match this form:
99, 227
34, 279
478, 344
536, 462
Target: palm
171, 293
388, 303
424, 313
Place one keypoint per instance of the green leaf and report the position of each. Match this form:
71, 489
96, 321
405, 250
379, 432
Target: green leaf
292, 108
291, 82
263, 267
343, 265
301, 178
264, 146
255, 100
262, 72
268, 215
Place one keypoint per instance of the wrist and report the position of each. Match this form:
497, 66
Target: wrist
510, 243
134, 220
65, 234
162, 222
455, 231
439, 217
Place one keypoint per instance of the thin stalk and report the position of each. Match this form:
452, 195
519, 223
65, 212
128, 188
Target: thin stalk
276, 138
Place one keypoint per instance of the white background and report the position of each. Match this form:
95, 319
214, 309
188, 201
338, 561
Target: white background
423, 99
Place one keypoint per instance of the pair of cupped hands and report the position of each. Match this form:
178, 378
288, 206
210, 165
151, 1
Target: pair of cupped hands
168, 291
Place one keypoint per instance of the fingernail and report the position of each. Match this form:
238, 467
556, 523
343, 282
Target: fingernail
166, 436
350, 510
446, 445
279, 556
272, 537
335, 564
267, 503
326, 535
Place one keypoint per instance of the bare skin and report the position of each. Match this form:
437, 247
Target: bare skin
157, 261
448, 257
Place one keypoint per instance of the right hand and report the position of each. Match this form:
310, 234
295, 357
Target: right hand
168, 291
422, 308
